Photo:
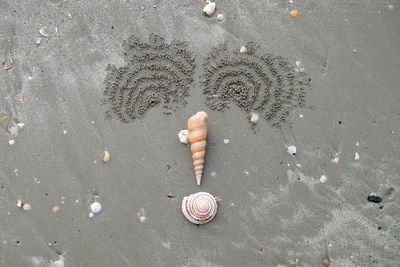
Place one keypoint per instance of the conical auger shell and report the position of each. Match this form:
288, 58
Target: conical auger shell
197, 126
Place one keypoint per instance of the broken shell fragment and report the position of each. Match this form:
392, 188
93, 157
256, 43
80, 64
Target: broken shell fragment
209, 9
220, 17
325, 262
7, 67
184, 136
356, 156
294, 13
45, 32
20, 98
106, 156
254, 118
243, 49
323, 179
199, 208
335, 160
55, 208
27, 206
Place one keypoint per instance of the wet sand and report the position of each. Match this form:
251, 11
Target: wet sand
274, 211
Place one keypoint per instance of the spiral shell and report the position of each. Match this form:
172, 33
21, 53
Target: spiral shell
209, 9
199, 208
197, 126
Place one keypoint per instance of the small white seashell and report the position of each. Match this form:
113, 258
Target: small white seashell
209, 9
323, 179
358, 143
220, 17
95, 207
91, 215
254, 117
301, 115
226, 141
11, 142
38, 41
292, 150
20, 203
199, 208
20, 125
356, 156
106, 156
184, 136
243, 49
335, 160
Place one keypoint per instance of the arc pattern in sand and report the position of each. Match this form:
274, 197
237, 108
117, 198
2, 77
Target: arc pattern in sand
264, 84
155, 72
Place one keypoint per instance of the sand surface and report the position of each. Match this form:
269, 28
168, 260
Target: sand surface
124, 76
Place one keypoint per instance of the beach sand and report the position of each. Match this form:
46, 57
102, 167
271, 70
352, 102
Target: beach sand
343, 57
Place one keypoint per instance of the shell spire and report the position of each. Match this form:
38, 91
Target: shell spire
197, 126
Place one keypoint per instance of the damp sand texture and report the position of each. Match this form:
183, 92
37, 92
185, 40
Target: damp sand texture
267, 84
155, 72
273, 208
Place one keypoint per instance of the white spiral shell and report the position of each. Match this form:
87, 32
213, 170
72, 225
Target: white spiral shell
199, 208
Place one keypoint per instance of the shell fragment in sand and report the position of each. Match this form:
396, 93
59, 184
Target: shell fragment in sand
183, 136
209, 9
106, 156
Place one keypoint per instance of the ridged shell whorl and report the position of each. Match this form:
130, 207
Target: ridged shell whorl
197, 126
199, 208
